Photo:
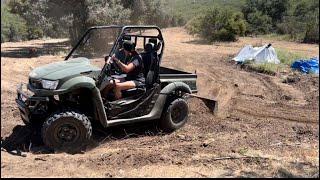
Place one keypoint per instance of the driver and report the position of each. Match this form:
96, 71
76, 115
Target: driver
130, 62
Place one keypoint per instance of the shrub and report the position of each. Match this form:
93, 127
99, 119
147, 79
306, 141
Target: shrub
287, 57
263, 16
194, 25
298, 19
259, 23
218, 25
13, 27
312, 30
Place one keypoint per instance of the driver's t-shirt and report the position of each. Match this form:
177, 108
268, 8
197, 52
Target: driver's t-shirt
121, 56
137, 72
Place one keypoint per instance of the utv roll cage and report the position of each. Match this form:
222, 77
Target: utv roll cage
122, 33
119, 39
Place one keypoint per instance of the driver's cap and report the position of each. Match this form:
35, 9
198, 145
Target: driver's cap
128, 45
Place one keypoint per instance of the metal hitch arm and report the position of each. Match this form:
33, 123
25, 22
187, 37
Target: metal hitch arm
212, 104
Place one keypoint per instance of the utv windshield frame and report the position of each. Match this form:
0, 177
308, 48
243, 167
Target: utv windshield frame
121, 34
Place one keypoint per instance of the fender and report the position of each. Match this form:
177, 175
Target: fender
89, 83
100, 113
174, 86
67, 86
77, 82
167, 90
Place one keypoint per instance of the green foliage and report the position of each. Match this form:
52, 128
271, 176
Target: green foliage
218, 25
291, 26
152, 12
243, 151
60, 18
101, 13
298, 19
41, 17
13, 27
259, 23
302, 22
194, 26
31, 14
287, 57
275, 36
188, 9
274, 9
312, 29
267, 68
263, 16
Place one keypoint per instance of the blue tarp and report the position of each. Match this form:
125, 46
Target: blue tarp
310, 66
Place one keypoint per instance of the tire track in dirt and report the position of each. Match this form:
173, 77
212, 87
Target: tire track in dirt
282, 108
274, 92
231, 98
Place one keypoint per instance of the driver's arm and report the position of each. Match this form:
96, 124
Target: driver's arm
108, 59
125, 68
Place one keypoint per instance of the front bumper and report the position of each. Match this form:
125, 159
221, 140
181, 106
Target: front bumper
27, 102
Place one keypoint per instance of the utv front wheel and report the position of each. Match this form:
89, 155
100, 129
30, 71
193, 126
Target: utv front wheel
66, 131
175, 115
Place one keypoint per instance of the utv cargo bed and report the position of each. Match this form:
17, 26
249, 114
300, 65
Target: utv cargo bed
168, 75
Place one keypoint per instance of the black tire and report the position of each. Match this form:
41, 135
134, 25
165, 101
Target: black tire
175, 115
66, 131
35, 121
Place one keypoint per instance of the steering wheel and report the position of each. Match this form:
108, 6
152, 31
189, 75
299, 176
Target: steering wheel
113, 67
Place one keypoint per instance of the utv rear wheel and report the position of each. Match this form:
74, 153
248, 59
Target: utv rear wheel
175, 115
66, 131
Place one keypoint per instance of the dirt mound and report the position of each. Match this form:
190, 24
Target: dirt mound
266, 126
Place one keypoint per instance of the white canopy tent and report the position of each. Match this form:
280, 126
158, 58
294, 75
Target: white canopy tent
264, 54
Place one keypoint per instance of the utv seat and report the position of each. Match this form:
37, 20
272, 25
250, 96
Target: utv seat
151, 64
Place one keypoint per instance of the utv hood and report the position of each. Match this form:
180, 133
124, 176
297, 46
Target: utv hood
62, 69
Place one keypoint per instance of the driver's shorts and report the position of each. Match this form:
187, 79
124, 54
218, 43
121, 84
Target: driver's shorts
139, 84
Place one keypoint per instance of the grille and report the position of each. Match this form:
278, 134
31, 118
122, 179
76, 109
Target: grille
35, 83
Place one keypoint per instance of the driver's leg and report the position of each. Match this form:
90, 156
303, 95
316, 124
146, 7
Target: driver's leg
123, 86
108, 87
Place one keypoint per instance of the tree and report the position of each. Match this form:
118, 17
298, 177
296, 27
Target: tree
151, 12
259, 23
218, 25
263, 16
13, 27
57, 18
302, 22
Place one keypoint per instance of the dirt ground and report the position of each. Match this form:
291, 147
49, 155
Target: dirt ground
266, 126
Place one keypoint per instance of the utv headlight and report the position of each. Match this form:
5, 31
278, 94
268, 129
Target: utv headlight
46, 84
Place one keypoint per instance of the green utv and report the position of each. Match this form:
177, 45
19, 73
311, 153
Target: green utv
64, 100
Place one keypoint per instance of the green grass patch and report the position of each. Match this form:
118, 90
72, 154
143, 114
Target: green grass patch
283, 37
274, 36
286, 58
266, 68
243, 151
